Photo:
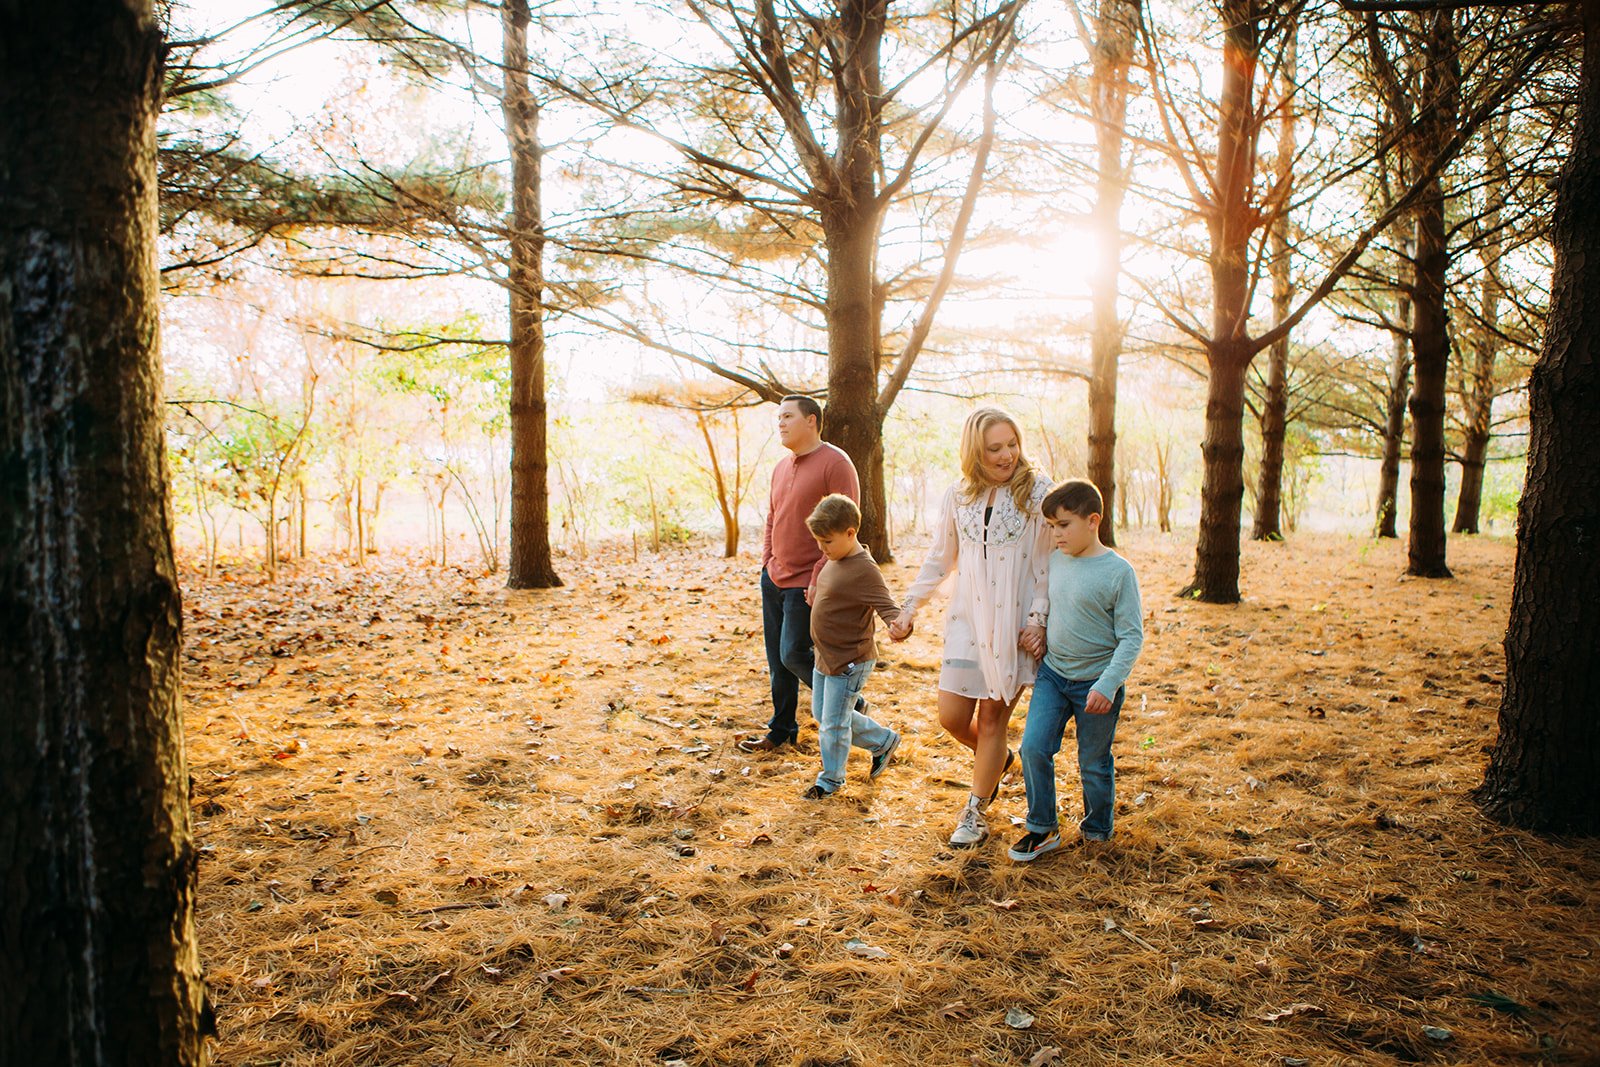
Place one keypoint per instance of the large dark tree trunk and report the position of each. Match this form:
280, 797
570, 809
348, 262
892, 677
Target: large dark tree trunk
1546, 760
850, 220
1115, 29
97, 868
1274, 410
1430, 330
531, 566
1233, 218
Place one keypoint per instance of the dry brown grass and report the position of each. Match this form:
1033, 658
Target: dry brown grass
444, 823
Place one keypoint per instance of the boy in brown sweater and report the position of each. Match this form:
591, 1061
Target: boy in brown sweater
849, 589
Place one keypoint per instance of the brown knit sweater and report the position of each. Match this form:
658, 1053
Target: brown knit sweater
848, 591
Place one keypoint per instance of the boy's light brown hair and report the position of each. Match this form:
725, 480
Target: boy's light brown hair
1079, 497
834, 514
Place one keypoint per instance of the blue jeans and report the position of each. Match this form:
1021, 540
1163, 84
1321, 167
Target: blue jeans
1054, 701
786, 625
839, 724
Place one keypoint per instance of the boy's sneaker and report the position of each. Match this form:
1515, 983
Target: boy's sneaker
816, 792
1033, 844
880, 762
972, 830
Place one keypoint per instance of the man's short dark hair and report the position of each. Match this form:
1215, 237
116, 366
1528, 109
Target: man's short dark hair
1079, 497
807, 406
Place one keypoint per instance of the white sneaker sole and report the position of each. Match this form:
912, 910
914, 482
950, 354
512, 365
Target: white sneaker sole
1029, 857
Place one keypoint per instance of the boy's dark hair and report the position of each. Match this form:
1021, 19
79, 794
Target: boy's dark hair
807, 406
834, 513
1074, 495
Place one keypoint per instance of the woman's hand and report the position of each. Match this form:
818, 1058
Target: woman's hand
901, 628
1032, 641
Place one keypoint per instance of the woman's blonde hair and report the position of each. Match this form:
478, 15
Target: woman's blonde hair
972, 433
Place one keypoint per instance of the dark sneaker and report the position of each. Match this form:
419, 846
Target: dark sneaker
1033, 844
758, 745
881, 761
1011, 757
816, 792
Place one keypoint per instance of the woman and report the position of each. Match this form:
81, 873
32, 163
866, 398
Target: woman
991, 534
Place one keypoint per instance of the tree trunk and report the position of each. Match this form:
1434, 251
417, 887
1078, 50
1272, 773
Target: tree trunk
1478, 392
1232, 219
1216, 566
1546, 760
1269, 487
97, 867
1394, 430
1430, 332
1115, 31
850, 219
531, 564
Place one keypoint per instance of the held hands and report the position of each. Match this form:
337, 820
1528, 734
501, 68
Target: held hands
1096, 703
1032, 641
901, 628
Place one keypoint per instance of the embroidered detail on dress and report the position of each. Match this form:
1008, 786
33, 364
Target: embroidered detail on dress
1006, 525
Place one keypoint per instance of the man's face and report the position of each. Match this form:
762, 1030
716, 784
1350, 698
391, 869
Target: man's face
1072, 533
796, 429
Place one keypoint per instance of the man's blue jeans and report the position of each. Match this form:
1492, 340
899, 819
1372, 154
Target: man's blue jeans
840, 725
1054, 701
786, 626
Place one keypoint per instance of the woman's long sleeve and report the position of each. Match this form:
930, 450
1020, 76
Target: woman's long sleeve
941, 561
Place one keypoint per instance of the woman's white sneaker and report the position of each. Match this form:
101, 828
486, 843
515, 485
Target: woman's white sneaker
972, 829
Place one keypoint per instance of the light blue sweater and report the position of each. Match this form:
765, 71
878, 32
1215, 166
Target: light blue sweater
1096, 627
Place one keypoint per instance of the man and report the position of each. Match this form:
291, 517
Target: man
790, 559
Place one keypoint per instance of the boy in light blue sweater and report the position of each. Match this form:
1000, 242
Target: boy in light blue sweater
1093, 635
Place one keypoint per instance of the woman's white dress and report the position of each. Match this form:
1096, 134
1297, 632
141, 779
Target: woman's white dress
1002, 584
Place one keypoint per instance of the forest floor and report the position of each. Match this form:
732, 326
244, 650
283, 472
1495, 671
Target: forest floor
445, 823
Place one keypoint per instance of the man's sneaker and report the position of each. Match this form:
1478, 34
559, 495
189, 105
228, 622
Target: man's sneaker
1033, 844
880, 762
972, 830
816, 792
759, 745
1011, 757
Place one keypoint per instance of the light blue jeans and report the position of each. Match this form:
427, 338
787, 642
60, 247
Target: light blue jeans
839, 724
1054, 701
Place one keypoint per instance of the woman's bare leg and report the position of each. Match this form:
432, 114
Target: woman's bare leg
956, 716
989, 760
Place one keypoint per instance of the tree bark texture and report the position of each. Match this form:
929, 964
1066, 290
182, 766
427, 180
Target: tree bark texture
1232, 220
1546, 760
531, 566
1116, 28
1430, 327
97, 866
1274, 410
851, 214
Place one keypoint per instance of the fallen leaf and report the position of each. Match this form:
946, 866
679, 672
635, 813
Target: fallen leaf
442, 976
1004, 905
494, 974
1293, 1009
1047, 1055
556, 901
556, 974
784, 951
956, 1009
1018, 1019
857, 947
1437, 1033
